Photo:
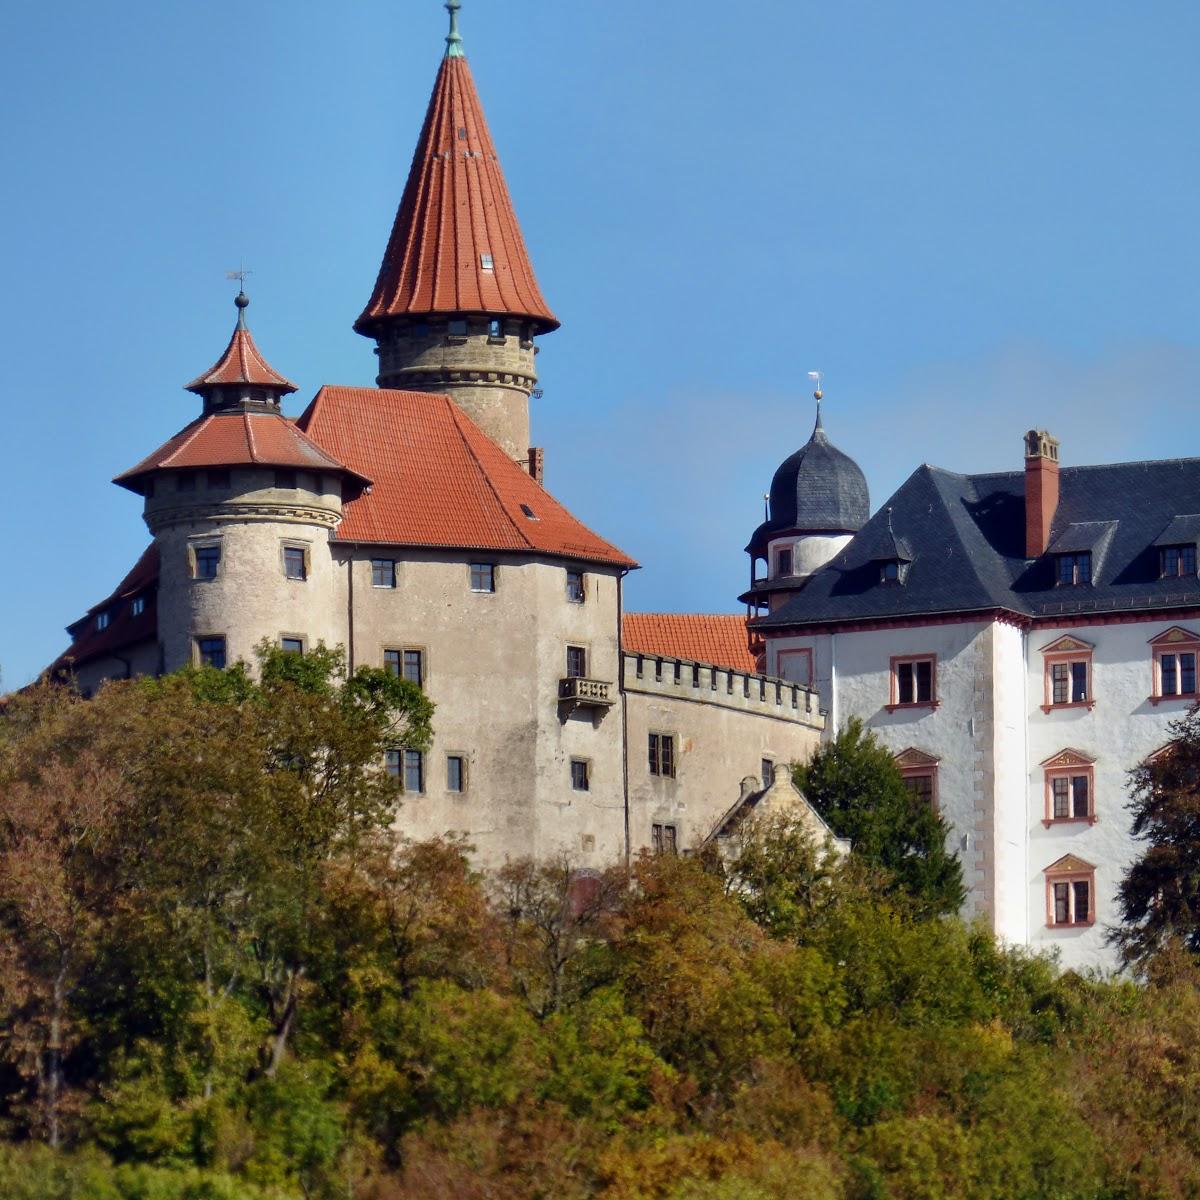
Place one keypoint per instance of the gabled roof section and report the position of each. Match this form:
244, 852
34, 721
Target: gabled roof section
439, 481
966, 534
912, 759
1067, 645
722, 640
124, 628
242, 362
1175, 636
1067, 758
456, 246
237, 439
1069, 864
1183, 530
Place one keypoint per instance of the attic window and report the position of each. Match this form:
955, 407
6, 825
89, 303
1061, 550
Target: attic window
892, 570
138, 606
462, 133
487, 262
102, 620
1073, 569
1176, 560
529, 512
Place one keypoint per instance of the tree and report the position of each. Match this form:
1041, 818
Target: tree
1160, 893
855, 785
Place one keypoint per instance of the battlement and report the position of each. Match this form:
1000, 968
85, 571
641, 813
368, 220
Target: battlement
702, 683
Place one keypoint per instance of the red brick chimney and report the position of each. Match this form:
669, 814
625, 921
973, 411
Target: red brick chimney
1041, 490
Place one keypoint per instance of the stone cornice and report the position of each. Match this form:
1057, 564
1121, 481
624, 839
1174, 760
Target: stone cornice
240, 512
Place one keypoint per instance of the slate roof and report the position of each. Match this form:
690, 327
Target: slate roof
237, 439
818, 489
966, 535
439, 480
454, 210
722, 640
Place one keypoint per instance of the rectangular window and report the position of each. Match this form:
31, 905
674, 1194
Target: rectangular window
783, 562
575, 587
1069, 682
483, 577
455, 773
383, 573
579, 774
102, 620
1177, 674
456, 328
208, 561
1079, 797
1074, 569
496, 330
768, 773
1079, 682
488, 263
1081, 893
920, 787
295, 564
285, 479
218, 478
392, 763
663, 839
1062, 904
914, 681
391, 662
414, 771
139, 605
576, 662
211, 652
291, 645
1177, 560
414, 667
662, 755
1061, 785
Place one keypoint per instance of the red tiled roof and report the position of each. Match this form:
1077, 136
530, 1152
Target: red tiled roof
236, 439
454, 210
720, 639
439, 480
242, 362
124, 629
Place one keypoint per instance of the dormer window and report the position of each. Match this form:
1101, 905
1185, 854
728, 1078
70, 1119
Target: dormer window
1174, 561
1073, 569
102, 620
892, 570
486, 262
138, 606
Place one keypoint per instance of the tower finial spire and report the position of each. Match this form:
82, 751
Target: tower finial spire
454, 38
815, 376
241, 300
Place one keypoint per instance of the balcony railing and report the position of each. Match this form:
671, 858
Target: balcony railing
586, 693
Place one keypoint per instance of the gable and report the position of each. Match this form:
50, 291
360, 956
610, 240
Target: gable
1174, 636
912, 757
1069, 864
1068, 758
1068, 645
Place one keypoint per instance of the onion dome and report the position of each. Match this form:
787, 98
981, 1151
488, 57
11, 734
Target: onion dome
816, 490
456, 246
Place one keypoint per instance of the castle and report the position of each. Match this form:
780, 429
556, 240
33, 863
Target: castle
1018, 640
407, 523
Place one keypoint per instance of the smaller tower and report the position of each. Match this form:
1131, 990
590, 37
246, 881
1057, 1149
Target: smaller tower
818, 501
456, 306
242, 506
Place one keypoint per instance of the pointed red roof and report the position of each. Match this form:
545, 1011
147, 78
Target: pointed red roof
236, 439
454, 219
438, 480
242, 362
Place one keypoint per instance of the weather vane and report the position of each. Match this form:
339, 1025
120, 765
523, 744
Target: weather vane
815, 376
240, 275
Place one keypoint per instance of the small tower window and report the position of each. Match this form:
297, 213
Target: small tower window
208, 561
211, 652
285, 479
295, 563
783, 562
218, 478
138, 606
185, 481
456, 328
102, 620
575, 587
487, 262
496, 330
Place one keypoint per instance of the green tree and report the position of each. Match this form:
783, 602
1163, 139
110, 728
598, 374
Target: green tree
1160, 893
855, 785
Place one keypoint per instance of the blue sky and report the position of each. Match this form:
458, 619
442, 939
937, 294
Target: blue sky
972, 217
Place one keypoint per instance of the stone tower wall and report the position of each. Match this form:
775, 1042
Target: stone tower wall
488, 374
251, 598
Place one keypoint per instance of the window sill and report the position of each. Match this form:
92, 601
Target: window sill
1048, 821
1048, 708
914, 704
1071, 924
1190, 697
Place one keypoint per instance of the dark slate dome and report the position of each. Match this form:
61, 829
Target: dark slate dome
816, 490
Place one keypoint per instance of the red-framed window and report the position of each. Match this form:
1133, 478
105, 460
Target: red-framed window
1067, 674
1070, 893
913, 681
919, 771
1070, 786
1176, 663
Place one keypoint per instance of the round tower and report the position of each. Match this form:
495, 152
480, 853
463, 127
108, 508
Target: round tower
242, 506
456, 307
818, 501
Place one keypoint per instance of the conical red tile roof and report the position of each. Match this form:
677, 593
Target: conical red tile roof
242, 362
455, 211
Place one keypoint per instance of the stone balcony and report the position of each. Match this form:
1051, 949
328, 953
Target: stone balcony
578, 692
